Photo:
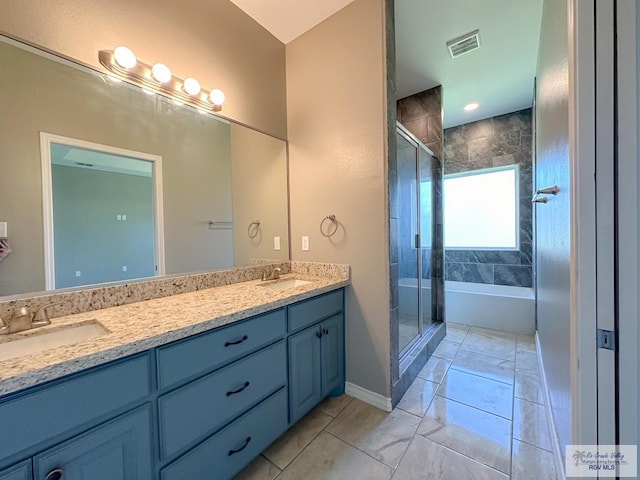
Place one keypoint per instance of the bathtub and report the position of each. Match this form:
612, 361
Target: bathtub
505, 308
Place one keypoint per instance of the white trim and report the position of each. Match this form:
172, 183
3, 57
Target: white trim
46, 139
367, 396
553, 432
581, 32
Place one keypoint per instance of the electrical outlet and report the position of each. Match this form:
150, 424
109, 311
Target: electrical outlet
305, 244
78, 273
124, 268
124, 218
276, 243
118, 217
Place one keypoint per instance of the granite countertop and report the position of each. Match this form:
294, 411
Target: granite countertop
137, 327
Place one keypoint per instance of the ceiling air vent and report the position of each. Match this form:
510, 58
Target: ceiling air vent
464, 44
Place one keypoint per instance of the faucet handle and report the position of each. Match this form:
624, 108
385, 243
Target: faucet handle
41, 316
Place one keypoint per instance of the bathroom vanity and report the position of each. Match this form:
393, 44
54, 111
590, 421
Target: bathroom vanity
183, 387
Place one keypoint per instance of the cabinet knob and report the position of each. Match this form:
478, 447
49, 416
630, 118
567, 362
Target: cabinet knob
319, 334
55, 474
325, 331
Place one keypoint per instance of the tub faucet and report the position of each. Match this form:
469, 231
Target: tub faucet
274, 275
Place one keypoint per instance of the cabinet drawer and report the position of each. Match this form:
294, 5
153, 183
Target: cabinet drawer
195, 356
226, 453
192, 412
315, 309
37, 417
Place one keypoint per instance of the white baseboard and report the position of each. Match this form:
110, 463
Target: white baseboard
367, 396
555, 445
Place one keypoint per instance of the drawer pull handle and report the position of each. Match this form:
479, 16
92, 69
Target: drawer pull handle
246, 442
325, 331
55, 474
237, 342
233, 392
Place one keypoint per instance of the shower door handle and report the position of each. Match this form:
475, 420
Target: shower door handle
417, 240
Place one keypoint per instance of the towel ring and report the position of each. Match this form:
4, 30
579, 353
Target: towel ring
334, 221
253, 229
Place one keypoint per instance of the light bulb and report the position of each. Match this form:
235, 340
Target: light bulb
124, 57
471, 106
191, 86
216, 97
161, 72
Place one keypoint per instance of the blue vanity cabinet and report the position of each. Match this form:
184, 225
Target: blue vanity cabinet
117, 450
316, 353
17, 472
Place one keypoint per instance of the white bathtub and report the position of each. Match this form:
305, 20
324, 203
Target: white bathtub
510, 309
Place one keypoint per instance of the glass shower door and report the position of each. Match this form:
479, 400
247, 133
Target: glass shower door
409, 261
426, 233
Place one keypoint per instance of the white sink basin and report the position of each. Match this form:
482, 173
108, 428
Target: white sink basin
38, 342
285, 284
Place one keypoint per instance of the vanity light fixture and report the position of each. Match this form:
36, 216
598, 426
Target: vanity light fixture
123, 64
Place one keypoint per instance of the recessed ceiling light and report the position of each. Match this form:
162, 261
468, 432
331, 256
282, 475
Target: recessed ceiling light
471, 106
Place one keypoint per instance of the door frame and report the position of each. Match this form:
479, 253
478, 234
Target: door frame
46, 139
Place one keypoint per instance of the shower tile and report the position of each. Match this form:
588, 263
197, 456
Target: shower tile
420, 128
479, 435
503, 160
454, 135
514, 275
479, 392
524, 158
526, 142
505, 143
526, 215
526, 253
435, 133
384, 436
520, 120
469, 272
526, 231
485, 366
479, 129
481, 152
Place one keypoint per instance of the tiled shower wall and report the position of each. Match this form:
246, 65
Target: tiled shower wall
493, 142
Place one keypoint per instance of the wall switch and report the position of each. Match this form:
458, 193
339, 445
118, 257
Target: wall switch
124, 218
276, 243
3, 230
305, 244
118, 217
124, 268
78, 273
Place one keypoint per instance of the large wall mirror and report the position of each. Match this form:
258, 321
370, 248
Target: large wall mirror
102, 182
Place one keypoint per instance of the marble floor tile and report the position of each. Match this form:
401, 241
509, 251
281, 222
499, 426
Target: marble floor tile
293, 441
426, 460
526, 343
418, 396
446, 350
531, 463
435, 369
334, 405
259, 469
485, 366
329, 458
456, 332
527, 362
488, 395
528, 386
385, 436
530, 423
490, 342
467, 430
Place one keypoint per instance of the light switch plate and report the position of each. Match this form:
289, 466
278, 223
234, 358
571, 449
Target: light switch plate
305, 244
276, 243
3, 229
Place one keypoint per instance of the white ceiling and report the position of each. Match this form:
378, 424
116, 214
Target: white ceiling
499, 75
288, 19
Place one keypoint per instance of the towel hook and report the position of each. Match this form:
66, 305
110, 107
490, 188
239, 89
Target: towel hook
253, 229
334, 221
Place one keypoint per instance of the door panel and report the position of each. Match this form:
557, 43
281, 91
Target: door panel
332, 354
304, 372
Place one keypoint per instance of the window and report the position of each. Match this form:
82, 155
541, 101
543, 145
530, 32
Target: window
481, 209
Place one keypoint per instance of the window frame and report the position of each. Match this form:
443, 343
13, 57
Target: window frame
483, 171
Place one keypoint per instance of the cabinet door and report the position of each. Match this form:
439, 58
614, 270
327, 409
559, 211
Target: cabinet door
117, 450
304, 372
332, 354
17, 472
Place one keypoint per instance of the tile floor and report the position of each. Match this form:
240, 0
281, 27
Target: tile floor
476, 411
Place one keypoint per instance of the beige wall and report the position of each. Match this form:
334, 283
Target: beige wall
259, 175
212, 40
337, 164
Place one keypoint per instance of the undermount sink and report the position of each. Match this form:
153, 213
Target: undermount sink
285, 284
38, 342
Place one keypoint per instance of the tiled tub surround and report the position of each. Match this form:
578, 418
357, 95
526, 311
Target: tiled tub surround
494, 142
139, 326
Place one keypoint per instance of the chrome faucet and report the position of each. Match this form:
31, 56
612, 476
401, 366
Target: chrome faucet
22, 319
274, 275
